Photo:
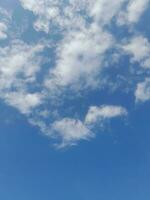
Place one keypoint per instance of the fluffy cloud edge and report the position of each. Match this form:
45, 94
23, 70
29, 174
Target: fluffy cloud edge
71, 131
97, 114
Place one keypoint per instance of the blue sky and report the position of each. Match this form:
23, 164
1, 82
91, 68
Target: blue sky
74, 99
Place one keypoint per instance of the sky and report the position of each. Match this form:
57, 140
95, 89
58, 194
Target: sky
74, 99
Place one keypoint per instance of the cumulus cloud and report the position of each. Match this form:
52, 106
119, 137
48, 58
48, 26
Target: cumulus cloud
135, 9
19, 59
132, 12
19, 64
97, 114
76, 61
23, 101
71, 131
142, 92
139, 48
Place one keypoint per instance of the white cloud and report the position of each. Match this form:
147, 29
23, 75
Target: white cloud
139, 48
23, 101
85, 41
97, 114
19, 64
133, 11
126, 11
103, 11
142, 92
71, 131
79, 58
4, 21
3, 31
68, 15
57, 13
80, 54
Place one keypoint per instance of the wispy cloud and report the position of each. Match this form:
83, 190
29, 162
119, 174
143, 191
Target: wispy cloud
4, 23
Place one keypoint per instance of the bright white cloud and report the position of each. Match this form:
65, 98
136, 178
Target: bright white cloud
142, 92
19, 64
80, 57
4, 21
139, 48
71, 131
97, 114
132, 12
135, 9
23, 101
104, 10
68, 14
55, 13
3, 31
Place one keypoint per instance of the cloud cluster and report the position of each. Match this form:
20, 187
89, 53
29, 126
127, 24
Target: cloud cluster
19, 65
132, 12
83, 49
139, 48
75, 12
76, 61
72, 130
